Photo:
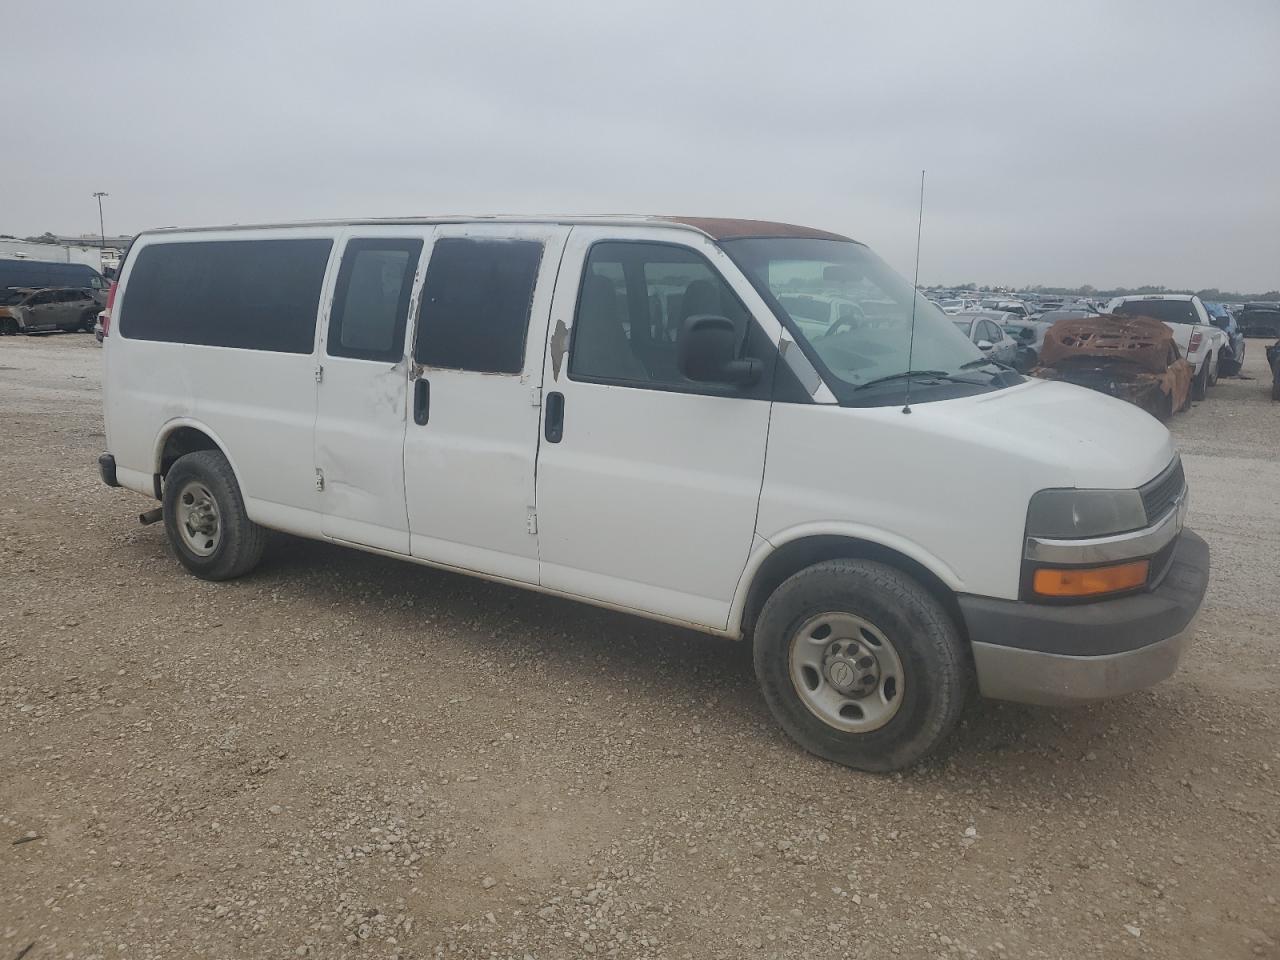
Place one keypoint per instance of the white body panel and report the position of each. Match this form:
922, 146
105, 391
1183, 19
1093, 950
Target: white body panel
655, 501
360, 426
935, 484
649, 501
469, 470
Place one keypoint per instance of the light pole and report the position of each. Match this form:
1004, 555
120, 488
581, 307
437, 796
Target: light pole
102, 233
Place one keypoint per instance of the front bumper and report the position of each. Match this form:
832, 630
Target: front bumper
1056, 655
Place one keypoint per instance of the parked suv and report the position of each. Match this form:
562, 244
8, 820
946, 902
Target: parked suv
624, 411
1200, 342
44, 311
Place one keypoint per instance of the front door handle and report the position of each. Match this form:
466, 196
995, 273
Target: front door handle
554, 427
421, 401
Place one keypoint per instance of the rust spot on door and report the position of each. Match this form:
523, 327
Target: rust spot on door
559, 345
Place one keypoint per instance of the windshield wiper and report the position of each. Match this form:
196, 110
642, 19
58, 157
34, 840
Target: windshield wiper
902, 375
984, 360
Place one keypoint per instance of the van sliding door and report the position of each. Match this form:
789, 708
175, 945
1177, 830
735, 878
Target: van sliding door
472, 437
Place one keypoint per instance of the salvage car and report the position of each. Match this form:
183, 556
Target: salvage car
23, 310
986, 331
1131, 358
492, 397
1199, 341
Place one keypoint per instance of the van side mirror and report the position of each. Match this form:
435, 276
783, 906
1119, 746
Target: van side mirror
707, 352
985, 344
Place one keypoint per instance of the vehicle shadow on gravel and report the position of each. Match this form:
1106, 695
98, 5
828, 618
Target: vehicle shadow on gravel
496, 619
661, 667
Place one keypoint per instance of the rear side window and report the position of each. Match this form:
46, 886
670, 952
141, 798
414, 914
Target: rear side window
475, 307
371, 301
1170, 311
249, 294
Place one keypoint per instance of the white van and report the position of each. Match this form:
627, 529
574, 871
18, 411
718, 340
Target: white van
622, 411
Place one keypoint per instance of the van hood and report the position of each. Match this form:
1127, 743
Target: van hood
1089, 438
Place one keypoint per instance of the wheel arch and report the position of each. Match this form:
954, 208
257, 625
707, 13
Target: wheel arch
181, 436
776, 561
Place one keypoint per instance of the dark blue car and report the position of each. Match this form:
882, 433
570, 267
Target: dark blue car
1232, 358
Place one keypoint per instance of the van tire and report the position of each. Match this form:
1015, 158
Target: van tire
1200, 385
239, 541
937, 676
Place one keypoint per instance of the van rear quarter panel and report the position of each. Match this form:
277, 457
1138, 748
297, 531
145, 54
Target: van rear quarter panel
262, 406
145, 387
259, 405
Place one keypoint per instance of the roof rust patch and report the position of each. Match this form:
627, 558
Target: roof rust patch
722, 228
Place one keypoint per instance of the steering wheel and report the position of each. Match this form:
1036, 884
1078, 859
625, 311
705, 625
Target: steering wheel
852, 322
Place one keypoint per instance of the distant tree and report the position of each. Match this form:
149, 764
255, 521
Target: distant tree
45, 237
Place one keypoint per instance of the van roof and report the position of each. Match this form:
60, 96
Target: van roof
717, 228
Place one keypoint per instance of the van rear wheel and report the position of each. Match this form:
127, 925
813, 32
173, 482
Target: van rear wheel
860, 664
205, 518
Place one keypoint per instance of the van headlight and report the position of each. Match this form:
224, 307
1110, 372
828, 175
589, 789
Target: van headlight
1080, 571
1073, 514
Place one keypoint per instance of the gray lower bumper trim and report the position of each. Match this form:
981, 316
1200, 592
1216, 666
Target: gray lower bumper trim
1051, 679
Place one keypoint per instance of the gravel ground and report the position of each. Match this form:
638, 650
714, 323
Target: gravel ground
349, 756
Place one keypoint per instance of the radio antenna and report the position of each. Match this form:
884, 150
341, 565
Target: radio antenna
915, 295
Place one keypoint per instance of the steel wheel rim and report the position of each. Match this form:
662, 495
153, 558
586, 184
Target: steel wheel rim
199, 522
846, 672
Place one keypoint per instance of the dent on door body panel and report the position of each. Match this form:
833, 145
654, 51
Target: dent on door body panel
262, 405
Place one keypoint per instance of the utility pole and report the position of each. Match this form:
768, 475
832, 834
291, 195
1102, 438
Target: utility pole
102, 232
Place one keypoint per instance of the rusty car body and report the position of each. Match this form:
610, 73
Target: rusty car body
1133, 358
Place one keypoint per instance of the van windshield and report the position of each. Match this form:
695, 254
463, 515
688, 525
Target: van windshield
851, 315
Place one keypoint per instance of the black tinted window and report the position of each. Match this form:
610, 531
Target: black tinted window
252, 294
1170, 311
634, 300
475, 304
371, 300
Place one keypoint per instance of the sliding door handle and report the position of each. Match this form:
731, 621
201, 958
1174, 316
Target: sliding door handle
554, 426
421, 401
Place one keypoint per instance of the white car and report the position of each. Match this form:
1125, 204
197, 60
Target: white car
1199, 340
986, 330
1015, 307
957, 305
504, 398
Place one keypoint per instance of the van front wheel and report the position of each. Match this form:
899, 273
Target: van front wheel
860, 664
205, 518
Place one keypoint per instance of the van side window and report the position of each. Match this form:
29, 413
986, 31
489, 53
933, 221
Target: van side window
633, 303
371, 299
249, 294
475, 304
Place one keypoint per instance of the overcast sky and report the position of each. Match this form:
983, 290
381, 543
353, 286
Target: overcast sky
1066, 143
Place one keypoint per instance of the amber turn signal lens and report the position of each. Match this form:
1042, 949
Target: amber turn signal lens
1090, 581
